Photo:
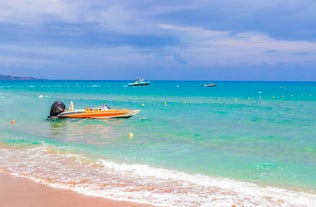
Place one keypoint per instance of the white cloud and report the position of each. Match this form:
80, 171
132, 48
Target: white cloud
118, 18
192, 42
198, 47
37, 11
62, 58
207, 47
122, 17
136, 16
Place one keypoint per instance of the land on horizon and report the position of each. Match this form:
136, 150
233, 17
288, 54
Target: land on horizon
9, 77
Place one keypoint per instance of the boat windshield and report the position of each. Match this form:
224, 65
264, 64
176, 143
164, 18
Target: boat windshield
139, 79
105, 107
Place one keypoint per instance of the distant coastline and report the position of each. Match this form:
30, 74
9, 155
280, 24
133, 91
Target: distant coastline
9, 77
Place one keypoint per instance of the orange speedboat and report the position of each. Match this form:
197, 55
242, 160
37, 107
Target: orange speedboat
58, 110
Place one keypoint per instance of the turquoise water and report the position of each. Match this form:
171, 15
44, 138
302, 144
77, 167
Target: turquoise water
233, 139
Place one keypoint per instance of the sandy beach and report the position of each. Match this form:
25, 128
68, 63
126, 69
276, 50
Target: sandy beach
21, 192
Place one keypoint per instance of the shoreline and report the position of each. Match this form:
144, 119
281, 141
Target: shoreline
21, 192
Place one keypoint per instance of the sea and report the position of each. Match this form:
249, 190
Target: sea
241, 143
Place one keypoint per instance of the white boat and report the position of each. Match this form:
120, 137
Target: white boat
209, 85
139, 82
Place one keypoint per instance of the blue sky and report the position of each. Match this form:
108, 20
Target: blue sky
190, 40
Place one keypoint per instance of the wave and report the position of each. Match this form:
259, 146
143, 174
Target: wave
94, 86
61, 168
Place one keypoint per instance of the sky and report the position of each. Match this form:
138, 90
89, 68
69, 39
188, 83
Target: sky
159, 39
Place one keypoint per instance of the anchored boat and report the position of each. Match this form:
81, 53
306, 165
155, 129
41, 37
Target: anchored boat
139, 82
58, 110
209, 85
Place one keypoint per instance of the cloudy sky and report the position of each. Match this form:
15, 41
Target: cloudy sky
159, 39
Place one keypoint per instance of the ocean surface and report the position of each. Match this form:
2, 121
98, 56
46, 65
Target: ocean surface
239, 143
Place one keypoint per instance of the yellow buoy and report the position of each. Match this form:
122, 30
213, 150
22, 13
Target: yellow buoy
131, 135
143, 104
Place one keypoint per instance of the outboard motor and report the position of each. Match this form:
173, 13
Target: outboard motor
57, 108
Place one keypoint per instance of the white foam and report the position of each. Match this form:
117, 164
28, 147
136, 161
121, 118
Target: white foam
94, 86
248, 190
141, 183
43, 96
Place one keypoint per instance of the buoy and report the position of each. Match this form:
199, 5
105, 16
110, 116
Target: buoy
131, 135
143, 104
12, 121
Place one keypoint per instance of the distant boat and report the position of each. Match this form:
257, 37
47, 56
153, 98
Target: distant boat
139, 82
209, 85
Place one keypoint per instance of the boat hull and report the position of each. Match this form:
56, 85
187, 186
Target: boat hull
139, 84
209, 85
98, 114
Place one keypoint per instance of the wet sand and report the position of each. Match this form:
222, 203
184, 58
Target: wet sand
21, 192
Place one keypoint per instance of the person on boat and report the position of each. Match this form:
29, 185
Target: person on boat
71, 106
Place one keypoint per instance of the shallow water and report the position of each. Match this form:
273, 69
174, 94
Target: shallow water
242, 143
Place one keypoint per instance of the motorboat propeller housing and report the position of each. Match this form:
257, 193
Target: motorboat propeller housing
57, 108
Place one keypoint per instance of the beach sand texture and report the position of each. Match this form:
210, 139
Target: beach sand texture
21, 192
